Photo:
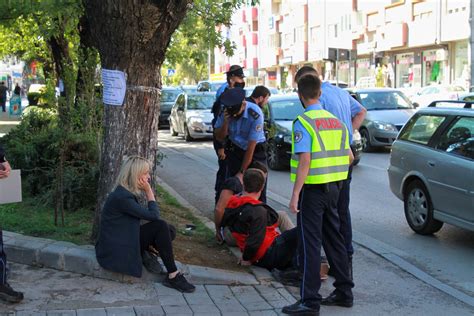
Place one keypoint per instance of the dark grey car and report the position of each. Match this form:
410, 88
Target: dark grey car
387, 111
432, 168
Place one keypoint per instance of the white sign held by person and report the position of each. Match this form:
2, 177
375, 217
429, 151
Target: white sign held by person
114, 87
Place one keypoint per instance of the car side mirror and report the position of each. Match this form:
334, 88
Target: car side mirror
416, 105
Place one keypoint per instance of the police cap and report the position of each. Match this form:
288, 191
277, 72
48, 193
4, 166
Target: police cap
235, 70
232, 97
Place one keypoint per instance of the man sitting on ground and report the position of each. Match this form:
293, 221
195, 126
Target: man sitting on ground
232, 186
253, 224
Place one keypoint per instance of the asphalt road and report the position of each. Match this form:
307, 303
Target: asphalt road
376, 213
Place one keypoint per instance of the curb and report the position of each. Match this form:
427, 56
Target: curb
65, 256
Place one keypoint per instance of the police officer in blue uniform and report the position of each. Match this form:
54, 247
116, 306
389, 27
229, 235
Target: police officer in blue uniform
242, 123
235, 79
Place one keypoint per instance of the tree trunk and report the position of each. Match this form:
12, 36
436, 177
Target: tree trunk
132, 36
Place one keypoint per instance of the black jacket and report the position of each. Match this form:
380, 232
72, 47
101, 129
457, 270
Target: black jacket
118, 246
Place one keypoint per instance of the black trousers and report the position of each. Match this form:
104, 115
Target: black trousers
281, 253
220, 176
3, 262
4, 106
235, 156
344, 213
159, 235
318, 223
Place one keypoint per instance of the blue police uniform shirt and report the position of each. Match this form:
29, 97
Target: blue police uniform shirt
221, 90
340, 104
302, 142
246, 128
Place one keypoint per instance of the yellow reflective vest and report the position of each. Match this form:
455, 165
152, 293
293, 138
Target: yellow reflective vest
329, 148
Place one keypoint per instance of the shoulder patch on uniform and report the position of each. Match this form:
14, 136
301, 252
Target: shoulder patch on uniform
259, 127
253, 114
298, 136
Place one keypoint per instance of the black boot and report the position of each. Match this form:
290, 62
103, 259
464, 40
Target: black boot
9, 295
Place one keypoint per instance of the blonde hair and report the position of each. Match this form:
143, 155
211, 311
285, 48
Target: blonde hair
132, 168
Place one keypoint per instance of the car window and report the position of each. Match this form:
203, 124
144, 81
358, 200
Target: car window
421, 128
200, 102
286, 110
468, 98
180, 102
215, 86
169, 95
459, 138
384, 100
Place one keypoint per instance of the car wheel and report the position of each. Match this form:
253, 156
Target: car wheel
365, 139
187, 136
172, 131
273, 157
419, 209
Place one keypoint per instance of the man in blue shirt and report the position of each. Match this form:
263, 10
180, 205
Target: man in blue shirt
242, 122
340, 103
235, 78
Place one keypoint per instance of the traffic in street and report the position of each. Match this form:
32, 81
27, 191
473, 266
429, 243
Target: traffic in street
377, 214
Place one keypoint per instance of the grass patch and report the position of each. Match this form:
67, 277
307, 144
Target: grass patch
32, 219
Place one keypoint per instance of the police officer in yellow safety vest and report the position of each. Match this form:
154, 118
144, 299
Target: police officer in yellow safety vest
320, 162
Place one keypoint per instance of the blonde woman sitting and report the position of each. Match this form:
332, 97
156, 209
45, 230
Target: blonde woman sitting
122, 241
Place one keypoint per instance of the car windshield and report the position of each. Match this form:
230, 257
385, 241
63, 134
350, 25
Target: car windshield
169, 95
200, 102
216, 85
384, 100
286, 110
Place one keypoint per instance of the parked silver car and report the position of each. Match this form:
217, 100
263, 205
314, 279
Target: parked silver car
191, 115
432, 168
387, 111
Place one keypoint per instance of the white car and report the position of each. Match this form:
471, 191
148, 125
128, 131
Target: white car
428, 94
191, 115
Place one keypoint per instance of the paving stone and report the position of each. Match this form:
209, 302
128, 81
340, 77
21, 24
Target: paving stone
235, 313
217, 291
230, 305
204, 308
205, 275
61, 313
287, 295
200, 298
207, 314
172, 300
30, 313
262, 274
52, 256
7, 314
156, 310
165, 291
257, 306
120, 311
98, 272
238, 290
177, 310
91, 312
280, 303
277, 285
263, 313
79, 260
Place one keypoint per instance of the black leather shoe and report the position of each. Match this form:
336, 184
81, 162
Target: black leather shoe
335, 299
299, 308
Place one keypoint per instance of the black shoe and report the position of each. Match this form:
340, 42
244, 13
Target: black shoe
151, 263
299, 308
179, 283
336, 299
10, 295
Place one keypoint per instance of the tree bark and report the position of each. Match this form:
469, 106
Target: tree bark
132, 36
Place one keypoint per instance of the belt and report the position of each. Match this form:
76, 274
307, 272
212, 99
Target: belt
324, 186
232, 146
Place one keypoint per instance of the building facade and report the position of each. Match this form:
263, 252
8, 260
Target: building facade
386, 43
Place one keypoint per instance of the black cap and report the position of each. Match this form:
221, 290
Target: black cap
236, 70
232, 97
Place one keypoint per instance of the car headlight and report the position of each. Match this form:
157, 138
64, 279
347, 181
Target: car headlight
196, 124
385, 126
287, 139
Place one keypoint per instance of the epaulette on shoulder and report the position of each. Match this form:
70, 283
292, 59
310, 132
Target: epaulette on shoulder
254, 114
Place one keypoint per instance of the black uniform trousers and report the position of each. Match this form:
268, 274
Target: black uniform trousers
318, 223
3, 262
221, 172
344, 213
235, 156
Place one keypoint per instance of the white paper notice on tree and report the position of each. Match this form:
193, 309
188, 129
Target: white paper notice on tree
114, 86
